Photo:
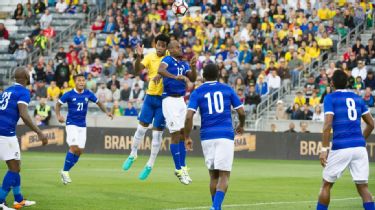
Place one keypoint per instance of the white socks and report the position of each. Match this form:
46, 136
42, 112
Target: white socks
157, 138
138, 137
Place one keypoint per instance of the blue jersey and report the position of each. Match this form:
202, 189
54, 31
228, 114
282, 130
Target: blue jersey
214, 101
175, 67
9, 113
347, 109
77, 106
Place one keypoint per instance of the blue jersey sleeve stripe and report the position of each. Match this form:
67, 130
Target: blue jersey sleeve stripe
326, 113
238, 106
23, 102
194, 110
365, 112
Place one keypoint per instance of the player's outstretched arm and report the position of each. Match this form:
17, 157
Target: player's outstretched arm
58, 114
241, 118
369, 125
138, 65
187, 129
22, 108
327, 127
104, 109
192, 75
164, 73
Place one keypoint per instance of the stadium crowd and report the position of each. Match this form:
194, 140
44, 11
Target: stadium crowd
258, 46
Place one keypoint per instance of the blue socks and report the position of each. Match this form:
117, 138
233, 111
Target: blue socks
70, 160
369, 206
321, 207
182, 153
11, 179
175, 150
218, 200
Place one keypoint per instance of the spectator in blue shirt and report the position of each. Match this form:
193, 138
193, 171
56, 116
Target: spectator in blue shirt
109, 26
245, 55
79, 40
261, 87
368, 97
130, 110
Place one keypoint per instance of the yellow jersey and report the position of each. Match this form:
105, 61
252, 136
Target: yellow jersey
151, 62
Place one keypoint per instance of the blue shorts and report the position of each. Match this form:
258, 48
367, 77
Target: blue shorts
152, 111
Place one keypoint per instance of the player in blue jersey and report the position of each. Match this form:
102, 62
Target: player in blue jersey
175, 74
343, 113
78, 100
215, 101
13, 105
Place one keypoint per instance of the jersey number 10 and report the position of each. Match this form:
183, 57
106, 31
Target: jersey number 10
352, 112
218, 102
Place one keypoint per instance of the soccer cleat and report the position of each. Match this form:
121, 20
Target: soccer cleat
24, 203
4, 207
185, 171
128, 162
65, 177
145, 172
180, 175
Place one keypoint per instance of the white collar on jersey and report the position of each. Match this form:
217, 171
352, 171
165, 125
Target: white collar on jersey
16, 83
209, 82
175, 59
75, 90
342, 90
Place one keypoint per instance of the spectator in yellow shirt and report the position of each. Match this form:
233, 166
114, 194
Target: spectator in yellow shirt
299, 99
198, 47
306, 59
153, 16
324, 13
111, 40
314, 100
313, 50
325, 43
288, 55
53, 92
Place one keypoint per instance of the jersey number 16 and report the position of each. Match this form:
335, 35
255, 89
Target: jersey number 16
218, 102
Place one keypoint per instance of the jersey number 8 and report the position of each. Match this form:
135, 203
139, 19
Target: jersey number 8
218, 102
352, 112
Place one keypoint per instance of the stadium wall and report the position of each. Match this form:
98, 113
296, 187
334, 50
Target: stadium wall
257, 145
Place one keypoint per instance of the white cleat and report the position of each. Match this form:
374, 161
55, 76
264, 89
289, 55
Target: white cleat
24, 203
4, 207
180, 175
185, 172
65, 177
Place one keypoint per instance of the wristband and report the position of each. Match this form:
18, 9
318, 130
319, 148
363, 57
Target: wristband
324, 149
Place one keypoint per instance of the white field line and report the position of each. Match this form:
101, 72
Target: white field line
263, 204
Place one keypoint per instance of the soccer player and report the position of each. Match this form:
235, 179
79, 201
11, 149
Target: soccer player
214, 101
78, 100
13, 105
151, 110
175, 74
343, 112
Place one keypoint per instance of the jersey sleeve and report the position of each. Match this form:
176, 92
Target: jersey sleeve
187, 68
166, 60
64, 98
92, 97
364, 109
193, 101
24, 98
146, 61
328, 105
235, 100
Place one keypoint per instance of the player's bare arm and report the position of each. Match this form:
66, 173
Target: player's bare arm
27, 120
163, 72
187, 129
138, 65
104, 109
369, 125
192, 75
241, 118
327, 127
59, 117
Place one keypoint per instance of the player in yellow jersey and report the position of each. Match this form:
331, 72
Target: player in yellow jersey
152, 106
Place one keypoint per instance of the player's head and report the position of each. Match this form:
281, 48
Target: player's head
161, 44
339, 80
22, 76
174, 48
210, 72
80, 82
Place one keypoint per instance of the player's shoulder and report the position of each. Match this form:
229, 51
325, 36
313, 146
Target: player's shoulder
150, 55
17, 89
167, 59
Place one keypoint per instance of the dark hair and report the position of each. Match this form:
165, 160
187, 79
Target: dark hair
78, 75
340, 80
211, 72
163, 38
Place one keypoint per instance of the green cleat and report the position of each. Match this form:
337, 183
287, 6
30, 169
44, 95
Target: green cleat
145, 172
128, 163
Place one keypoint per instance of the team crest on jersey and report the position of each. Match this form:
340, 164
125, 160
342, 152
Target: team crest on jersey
74, 99
86, 99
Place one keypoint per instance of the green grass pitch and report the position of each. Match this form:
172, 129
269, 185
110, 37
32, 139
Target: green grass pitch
100, 184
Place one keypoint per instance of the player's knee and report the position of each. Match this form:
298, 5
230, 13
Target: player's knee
144, 124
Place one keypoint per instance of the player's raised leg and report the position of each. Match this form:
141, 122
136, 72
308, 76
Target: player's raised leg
324, 196
214, 179
368, 202
184, 167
